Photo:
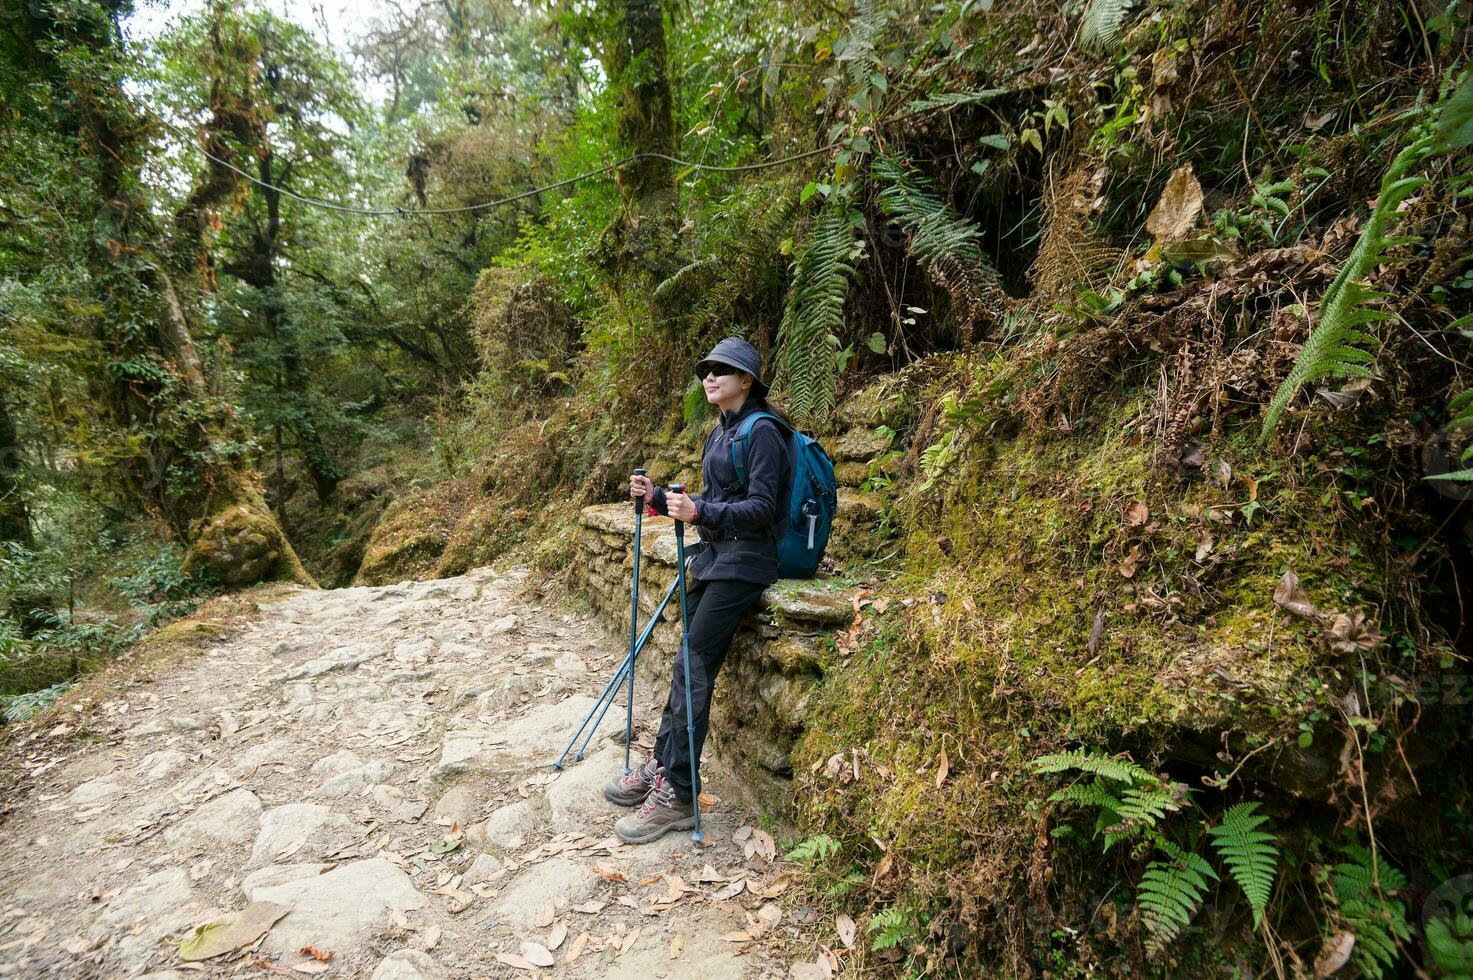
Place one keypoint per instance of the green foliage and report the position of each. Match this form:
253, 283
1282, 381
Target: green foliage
1100, 27
1250, 854
22, 707
1363, 887
1461, 410
1096, 763
1338, 346
1170, 891
819, 847
893, 927
1450, 942
809, 345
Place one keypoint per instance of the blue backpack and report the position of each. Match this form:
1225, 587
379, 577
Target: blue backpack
812, 497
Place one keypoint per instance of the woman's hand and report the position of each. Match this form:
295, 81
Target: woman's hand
642, 486
680, 506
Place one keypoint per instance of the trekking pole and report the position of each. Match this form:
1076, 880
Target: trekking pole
690, 721
633, 625
606, 697
629, 664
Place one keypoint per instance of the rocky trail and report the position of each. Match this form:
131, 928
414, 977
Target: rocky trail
355, 783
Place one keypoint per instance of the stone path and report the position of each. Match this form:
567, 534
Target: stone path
374, 761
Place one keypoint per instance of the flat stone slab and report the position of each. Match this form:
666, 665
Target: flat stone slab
343, 658
278, 874
291, 829
575, 799
557, 880
507, 827
409, 964
338, 910
227, 821
539, 734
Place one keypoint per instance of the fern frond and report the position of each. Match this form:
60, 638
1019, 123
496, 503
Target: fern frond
1096, 763
813, 318
683, 276
1461, 410
952, 100
1170, 892
1251, 854
1364, 890
1099, 30
1092, 793
946, 243
1145, 805
1450, 941
1337, 346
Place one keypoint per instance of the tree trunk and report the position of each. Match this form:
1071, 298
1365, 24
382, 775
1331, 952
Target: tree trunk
637, 66
227, 524
30, 607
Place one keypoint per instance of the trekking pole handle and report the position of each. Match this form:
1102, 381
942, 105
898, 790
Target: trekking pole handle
639, 501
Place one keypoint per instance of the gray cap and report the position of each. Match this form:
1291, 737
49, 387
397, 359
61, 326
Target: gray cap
737, 353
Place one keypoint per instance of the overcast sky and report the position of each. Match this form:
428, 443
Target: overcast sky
337, 21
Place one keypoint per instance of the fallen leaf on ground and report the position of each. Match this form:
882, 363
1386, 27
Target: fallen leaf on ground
1136, 513
576, 948
628, 942
616, 877
430, 937
730, 891
544, 915
943, 767
707, 800
1290, 597
737, 937
232, 931
845, 925
537, 954
316, 953
515, 960
709, 874
558, 934
589, 908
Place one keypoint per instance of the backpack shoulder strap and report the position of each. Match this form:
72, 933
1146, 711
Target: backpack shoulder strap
743, 436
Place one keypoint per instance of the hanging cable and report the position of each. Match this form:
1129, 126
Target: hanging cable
485, 205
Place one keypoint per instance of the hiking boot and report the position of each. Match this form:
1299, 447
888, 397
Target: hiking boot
630, 788
661, 812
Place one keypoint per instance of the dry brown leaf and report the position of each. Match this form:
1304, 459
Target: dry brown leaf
628, 942
537, 954
736, 937
430, 937
1352, 634
1136, 513
709, 874
1127, 566
576, 948
617, 877
558, 934
707, 800
317, 954
1179, 207
1334, 954
1289, 597
543, 917
590, 908
846, 928
943, 768
729, 891
516, 961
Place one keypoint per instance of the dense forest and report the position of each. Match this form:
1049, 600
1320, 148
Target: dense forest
1160, 311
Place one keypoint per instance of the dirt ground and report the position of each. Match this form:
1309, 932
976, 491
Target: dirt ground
368, 771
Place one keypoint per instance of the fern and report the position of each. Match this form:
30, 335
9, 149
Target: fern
1337, 345
1450, 943
1146, 805
951, 100
894, 926
1095, 763
813, 317
1362, 889
1170, 892
1099, 30
1250, 854
1461, 409
945, 242
820, 847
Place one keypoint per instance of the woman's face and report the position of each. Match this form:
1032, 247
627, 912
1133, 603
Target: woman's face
727, 390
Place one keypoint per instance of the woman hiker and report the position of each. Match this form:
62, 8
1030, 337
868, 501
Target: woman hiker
736, 560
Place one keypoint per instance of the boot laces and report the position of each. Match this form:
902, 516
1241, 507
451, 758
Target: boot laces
661, 794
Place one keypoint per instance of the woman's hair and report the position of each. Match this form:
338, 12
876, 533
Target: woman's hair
767, 405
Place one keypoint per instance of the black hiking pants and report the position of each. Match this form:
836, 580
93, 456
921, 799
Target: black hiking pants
714, 609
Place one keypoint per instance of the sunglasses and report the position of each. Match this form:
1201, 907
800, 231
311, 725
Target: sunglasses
719, 370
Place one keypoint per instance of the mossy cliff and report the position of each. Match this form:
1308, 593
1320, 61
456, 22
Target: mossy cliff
1067, 590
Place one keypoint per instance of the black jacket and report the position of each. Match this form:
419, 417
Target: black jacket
739, 529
